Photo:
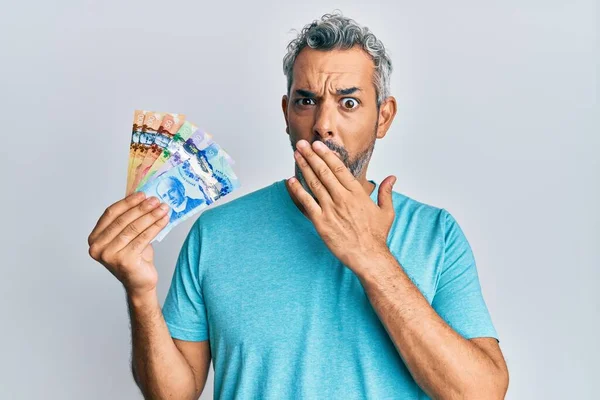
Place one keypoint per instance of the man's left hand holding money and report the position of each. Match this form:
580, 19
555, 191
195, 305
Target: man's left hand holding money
352, 226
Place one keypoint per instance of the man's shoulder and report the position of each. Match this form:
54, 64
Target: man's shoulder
408, 206
422, 215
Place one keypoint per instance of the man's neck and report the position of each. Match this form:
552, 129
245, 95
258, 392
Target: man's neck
367, 186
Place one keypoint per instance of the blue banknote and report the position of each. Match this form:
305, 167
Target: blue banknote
212, 164
193, 185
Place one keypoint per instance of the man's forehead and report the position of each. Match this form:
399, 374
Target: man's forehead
347, 68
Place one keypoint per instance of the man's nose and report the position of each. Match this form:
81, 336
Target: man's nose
324, 126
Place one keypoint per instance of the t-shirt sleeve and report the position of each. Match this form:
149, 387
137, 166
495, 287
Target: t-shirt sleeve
184, 309
458, 299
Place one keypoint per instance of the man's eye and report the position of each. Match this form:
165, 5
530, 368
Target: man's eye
349, 103
305, 101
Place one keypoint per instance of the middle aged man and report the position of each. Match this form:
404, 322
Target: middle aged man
324, 286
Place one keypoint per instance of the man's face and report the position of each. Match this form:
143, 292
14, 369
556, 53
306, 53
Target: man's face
333, 99
170, 194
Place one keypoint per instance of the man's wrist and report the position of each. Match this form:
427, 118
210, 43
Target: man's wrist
370, 267
142, 300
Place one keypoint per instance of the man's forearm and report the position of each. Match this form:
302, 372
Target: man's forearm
443, 363
160, 370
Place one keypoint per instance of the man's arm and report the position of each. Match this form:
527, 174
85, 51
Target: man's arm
443, 363
120, 241
160, 367
354, 228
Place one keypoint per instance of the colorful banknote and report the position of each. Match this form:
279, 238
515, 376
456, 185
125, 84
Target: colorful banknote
169, 125
213, 167
138, 122
186, 130
152, 122
186, 192
187, 170
199, 140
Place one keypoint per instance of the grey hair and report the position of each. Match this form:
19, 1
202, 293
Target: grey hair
335, 31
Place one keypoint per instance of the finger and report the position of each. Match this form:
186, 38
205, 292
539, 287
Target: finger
113, 211
310, 205
123, 220
139, 244
137, 227
313, 182
339, 169
321, 169
384, 197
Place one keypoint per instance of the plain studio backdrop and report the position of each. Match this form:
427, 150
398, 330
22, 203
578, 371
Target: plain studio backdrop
497, 122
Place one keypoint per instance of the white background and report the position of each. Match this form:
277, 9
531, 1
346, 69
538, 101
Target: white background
497, 122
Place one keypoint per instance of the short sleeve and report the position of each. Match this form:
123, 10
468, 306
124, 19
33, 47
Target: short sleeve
458, 299
184, 309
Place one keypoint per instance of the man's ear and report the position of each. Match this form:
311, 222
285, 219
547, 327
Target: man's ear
284, 104
387, 112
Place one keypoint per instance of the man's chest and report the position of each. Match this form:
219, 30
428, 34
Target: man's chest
277, 291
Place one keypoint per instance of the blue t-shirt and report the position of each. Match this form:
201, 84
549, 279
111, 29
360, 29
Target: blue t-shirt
287, 320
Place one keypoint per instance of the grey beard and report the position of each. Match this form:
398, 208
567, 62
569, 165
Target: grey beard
355, 166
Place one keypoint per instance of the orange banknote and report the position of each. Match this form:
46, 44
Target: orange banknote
138, 122
150, 126
169, 125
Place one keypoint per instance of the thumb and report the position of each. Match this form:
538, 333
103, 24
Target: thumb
384, 198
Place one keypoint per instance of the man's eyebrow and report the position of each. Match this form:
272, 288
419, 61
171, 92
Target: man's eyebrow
305, 93
341, 92
348, 91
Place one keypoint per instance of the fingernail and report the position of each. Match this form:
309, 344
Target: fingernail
164, 207
153, 201
319, 145
302, 143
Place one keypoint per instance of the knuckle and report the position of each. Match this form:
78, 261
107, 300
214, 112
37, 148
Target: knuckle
139, 242
130, 200
314, 184
147, 233
157, 212
104, 255
94, 251
323, 171
132, 230
144, 205
161, 223
109, 230
108, 211
339, 169
119, 221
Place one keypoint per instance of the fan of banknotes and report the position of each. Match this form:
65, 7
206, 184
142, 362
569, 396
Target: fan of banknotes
172, 159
